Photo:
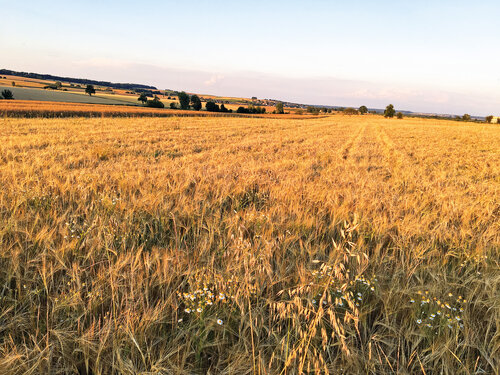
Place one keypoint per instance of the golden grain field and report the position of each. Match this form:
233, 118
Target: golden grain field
340, 245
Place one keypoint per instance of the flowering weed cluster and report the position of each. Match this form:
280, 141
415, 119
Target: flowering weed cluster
438, 312
200, 300
209, 294
340, 293
76, 228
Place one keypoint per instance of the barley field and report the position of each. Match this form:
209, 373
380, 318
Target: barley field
336, 245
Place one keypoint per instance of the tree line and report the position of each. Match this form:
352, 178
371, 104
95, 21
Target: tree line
49, 77
187, 102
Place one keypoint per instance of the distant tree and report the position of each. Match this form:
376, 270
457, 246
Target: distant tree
155, 103
90, 90
279, 108
7, 94
173, 105
313, 110
466, 117
243, 110
257, 109
350, 111
399, 115
196, 102
184, 100
252, 109
51, 86
212, 107
254, 98
143, 98
498, 120
389, 111
58, 84
489, 119
363, 110
223, 108
13, 83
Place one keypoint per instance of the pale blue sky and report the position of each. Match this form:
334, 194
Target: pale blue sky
436, 56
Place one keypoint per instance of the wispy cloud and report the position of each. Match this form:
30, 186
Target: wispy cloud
101, 62
214, 79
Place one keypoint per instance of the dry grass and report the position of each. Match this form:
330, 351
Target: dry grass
340, 245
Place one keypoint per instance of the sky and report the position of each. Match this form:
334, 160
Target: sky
425, 56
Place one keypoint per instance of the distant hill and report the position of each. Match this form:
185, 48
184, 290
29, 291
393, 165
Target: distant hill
125, 86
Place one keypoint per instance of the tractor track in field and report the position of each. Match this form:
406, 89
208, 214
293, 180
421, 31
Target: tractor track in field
352, 142
389, 149
395, 158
